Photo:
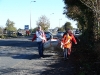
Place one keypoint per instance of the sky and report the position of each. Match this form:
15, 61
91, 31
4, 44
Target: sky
19, 11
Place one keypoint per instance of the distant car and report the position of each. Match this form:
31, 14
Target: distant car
77, 32
60, 34
20, 34
48, 35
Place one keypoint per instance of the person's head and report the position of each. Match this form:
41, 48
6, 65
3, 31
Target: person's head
70, 32
39, 27
67, 31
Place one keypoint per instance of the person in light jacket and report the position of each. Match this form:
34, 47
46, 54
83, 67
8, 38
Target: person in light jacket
41, 39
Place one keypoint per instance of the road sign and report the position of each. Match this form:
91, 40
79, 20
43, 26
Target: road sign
26, 27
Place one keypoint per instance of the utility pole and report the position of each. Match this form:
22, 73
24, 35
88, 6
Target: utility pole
30, 14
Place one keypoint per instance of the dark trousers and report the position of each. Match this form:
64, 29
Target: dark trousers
65, 52
40, 48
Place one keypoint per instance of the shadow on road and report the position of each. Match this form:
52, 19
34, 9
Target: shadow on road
26, 56
29, 56
17, 43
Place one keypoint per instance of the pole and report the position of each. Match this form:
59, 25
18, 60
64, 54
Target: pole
30, 14
50, 23
59, 22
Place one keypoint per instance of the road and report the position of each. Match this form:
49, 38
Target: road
18, 42
19, 56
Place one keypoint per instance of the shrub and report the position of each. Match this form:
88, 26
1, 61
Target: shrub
2, 36
14, 35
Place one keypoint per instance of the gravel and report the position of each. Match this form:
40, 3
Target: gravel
24, 61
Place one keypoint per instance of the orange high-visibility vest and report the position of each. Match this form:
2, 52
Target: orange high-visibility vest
65, 40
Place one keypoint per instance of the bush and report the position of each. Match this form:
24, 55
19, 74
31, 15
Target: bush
14, 35
2, 36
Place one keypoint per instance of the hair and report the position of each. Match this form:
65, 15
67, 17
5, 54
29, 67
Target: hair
67, 31
39, 26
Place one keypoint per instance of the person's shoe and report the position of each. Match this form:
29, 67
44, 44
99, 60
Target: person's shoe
42, 56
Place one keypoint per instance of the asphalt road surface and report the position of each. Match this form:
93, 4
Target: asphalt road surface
19, 56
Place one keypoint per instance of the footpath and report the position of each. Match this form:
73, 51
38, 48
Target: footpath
61, 66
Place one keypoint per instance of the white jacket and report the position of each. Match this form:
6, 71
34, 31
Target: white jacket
40, 36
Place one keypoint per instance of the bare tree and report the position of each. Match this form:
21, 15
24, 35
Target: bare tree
43, 22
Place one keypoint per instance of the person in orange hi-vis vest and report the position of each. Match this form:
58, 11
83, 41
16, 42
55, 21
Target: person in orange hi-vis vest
72, 40
66, 44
